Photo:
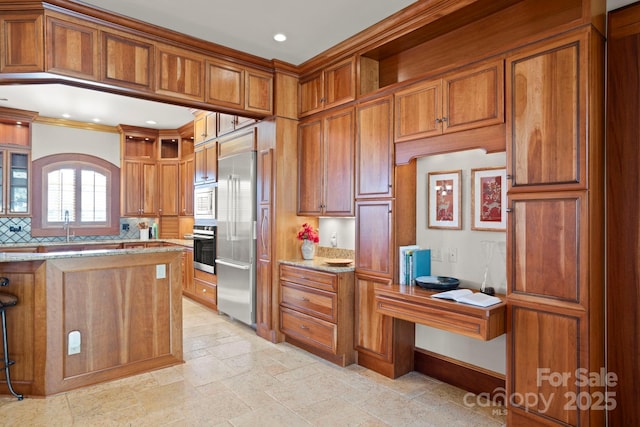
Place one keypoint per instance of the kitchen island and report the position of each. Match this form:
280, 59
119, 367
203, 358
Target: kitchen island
125, 305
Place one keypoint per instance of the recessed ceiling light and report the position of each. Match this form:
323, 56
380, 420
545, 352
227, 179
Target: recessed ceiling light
96, 120
66, 115
150, 122
279, 37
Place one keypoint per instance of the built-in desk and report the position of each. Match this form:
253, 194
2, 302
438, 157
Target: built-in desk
415, 304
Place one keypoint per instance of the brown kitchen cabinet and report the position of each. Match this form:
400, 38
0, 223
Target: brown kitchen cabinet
374, 149
179, 72
333, 85
72, 47
467, 99
186, 173
229, 122
205, 289
316, 312
168, 188
138, 188
205, 127
188, 284
384, 343
22, 43
127, 60
326, 147
374, 237
556, 209
225, 83
15, 176
206, 162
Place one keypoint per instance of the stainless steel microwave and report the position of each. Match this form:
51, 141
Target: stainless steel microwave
204, 199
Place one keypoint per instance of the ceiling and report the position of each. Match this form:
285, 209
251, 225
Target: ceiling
311, 27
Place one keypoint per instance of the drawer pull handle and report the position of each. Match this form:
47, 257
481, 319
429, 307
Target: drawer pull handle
305, 299
304, 327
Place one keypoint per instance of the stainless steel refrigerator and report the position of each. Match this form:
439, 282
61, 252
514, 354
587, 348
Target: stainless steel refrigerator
236, 239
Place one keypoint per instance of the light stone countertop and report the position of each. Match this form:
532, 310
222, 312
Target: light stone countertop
319, 263
43, 256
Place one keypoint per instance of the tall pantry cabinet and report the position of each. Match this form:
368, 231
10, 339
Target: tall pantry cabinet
555, 234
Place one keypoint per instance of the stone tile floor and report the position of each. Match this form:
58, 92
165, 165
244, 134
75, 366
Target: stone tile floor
234, 378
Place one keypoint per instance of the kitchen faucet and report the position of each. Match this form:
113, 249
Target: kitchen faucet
66, 223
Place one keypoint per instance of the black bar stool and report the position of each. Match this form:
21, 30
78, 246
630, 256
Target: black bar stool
6, 301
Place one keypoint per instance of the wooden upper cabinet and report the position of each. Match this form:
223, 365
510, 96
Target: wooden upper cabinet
418, 110
325, 165
546, 138
205, 127
127, 61
258, 91
179, 72
375, 237
468, 99
225, 84
332, 86
374, 149
310, 167
205, 163
72, 48
21, 43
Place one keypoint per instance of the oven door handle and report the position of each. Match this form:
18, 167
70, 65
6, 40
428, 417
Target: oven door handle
233, 264
203, 236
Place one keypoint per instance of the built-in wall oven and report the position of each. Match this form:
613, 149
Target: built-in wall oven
204, 248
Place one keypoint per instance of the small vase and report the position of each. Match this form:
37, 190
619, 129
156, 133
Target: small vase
144, 234
308, 248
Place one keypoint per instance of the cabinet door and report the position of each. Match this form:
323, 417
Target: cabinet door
374, 149
310, 93
130, 188
225, 84
258, 91
546, 141
18, 192
265, 175
186, 172
205, 163
418, 111
310, 167
373, 330
72, 49
168, 178
22, 43
187, 270
340, 83
204, 127
179, 72
226, 123
149, 189
339, 143
473, 98
374, 237
127, 61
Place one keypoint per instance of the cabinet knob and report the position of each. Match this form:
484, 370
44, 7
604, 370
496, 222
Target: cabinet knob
303, 327
509, 210
305, 299
444, 119
438, 120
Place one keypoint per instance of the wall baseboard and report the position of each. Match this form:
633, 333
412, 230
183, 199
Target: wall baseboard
460, 374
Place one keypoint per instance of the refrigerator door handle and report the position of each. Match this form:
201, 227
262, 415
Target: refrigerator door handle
233, 264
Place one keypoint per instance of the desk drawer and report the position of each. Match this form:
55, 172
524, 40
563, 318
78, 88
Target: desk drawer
316, 332
312, 278
310, 301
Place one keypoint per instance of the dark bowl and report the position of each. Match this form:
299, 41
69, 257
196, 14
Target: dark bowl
437, 283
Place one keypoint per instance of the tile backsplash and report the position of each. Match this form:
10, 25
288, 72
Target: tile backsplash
18, 230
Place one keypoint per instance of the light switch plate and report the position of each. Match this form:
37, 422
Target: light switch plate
161, 271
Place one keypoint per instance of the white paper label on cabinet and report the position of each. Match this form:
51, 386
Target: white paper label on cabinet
161, 271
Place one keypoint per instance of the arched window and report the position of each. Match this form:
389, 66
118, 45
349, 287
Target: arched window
77, 189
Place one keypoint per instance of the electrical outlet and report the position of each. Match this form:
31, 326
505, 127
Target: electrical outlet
436, 254
15, 229
125, 227
453, 255
74, 343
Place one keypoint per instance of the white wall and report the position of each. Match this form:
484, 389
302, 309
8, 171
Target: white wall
48, 139
345, 229
470, 265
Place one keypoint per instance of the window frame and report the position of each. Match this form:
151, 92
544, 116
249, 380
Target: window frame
40, 227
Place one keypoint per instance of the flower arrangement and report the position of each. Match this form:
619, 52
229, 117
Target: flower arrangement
308, 233
143, 225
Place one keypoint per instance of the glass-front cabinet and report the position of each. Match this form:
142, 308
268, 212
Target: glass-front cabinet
14, 182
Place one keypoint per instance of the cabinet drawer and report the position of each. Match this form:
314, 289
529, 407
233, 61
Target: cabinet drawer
312, 278
310, 301
206, 291
316, 332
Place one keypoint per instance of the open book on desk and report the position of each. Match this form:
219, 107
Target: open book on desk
467, 296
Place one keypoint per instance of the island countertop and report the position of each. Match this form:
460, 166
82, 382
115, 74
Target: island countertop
43, 256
